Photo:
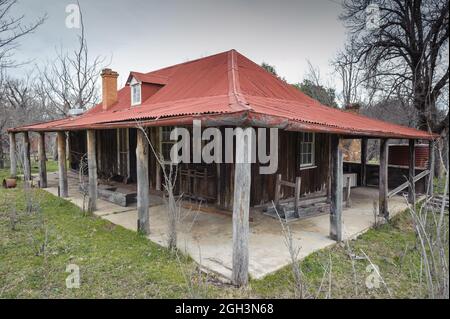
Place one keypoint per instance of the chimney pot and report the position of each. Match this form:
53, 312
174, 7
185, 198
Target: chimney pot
109, 88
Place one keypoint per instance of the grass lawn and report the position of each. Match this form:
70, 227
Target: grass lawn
118, 263
52, 166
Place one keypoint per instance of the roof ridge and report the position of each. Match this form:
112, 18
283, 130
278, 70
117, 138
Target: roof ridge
236, 98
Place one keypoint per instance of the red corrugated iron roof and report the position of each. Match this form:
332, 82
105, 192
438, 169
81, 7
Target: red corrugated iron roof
228, 83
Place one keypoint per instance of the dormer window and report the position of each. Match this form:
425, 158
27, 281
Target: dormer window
135, 92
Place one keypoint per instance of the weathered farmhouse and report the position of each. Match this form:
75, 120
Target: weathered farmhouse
225, 90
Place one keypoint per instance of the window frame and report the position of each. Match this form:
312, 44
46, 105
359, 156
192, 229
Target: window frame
301, 142
133, 85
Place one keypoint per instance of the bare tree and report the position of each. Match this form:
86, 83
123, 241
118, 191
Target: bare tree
348, 69
407, 50
313, 86
69, 82
11, 30
18, 105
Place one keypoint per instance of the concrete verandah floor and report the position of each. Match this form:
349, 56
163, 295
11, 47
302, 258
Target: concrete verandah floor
207, 237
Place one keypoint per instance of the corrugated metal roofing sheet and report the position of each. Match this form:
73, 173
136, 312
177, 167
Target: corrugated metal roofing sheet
230, 83
148, 78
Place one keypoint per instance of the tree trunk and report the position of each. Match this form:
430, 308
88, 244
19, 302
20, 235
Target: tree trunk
423, 118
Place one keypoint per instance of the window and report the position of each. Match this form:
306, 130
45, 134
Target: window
135, 92
165, 143
306, 149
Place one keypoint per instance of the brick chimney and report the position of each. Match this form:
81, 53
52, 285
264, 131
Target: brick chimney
109, 88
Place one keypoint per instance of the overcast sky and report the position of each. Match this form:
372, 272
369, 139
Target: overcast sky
147, 35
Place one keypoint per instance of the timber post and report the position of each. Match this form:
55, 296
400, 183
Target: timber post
42, 161
12, 154
412, 172
297, 188
364, 161
142, 150
337, 175
431, 159
62, 165
26, 157
241, 206
383, 179
68, 157
92, 170
158, 172
348, 190
277, 190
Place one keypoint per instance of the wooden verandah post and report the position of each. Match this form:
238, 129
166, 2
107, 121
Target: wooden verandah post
431, 159
42, 161
412, 172
336, 189
241, 205
62, 165
383, 179
26, 157
92, 170
12, 154
364, 161
142, 149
